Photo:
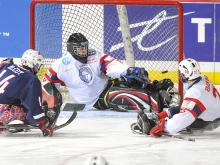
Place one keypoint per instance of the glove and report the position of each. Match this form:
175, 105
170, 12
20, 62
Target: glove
8, 61
47, 131
158, 129
163, 84
136, 77
45, 126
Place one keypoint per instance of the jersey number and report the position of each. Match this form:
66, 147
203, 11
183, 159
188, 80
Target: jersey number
215, 93
4, 83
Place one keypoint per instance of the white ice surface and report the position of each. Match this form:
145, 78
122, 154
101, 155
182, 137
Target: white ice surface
107, 134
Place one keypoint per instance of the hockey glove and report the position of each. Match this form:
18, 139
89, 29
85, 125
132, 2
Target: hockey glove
163, 84
45, 126
158, 130
8, 61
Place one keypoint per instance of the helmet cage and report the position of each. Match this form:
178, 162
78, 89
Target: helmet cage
80, 50
183, 78
37, 66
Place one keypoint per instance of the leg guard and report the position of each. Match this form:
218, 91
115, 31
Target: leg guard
128, 99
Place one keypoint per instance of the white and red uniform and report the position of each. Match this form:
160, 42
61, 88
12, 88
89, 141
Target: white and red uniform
85, 82
201, 101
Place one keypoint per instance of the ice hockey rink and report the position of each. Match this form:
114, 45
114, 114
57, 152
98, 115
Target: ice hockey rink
107, 134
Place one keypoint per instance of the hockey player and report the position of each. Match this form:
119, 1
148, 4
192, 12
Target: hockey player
85, 72
199, 110
20, 92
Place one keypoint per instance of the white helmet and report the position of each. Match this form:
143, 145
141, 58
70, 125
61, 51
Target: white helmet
189, 69
32, 59
96, 160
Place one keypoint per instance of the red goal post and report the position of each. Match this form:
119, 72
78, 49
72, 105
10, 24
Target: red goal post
155, 29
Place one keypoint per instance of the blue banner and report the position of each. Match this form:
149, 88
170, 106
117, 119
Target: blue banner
153, 29
217, 44
199, 31
14, 27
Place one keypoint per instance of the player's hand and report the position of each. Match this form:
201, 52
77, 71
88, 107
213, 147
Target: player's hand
47, 131
45, 126
8, 61
158, 129
165, 84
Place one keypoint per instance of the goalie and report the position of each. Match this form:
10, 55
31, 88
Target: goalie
86, 72
20, 92
199, 110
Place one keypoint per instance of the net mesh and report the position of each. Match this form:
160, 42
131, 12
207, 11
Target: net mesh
154, 33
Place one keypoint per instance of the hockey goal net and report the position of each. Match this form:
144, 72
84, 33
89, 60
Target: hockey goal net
155, 31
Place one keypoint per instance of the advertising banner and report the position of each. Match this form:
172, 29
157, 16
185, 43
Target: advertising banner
14, 27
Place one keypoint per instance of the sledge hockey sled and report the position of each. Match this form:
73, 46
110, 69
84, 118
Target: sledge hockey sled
14, 128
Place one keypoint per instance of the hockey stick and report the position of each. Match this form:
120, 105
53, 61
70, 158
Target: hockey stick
73, 108
180, 137
73, 116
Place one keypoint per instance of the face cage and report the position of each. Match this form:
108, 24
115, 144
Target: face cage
182, 77
37, 67
81, 51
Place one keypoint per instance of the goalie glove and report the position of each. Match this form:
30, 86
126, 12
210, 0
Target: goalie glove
163, 84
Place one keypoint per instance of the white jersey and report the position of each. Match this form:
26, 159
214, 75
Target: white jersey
85, 82
201, 101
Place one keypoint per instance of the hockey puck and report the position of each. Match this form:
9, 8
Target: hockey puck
165, 71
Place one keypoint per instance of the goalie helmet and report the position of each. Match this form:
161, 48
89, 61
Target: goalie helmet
189, 69
32, 59
77, 46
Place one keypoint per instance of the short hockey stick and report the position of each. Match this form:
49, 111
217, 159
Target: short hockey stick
70, 107
180, 137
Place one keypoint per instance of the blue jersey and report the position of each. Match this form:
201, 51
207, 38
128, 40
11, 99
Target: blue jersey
19, 86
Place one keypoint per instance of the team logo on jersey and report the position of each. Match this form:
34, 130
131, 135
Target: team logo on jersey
66, 60
85, 74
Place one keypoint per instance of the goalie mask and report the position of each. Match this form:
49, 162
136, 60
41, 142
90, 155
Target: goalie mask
189, 70
77, 46
32, 59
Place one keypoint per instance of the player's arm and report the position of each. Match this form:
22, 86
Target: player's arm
112, 67
51, 97
32, 99
50, 87
52, 77
132, 76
